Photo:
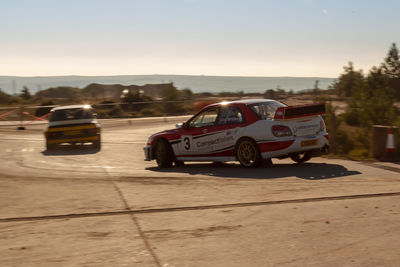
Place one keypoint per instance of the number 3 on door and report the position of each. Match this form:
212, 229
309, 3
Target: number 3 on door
186, 141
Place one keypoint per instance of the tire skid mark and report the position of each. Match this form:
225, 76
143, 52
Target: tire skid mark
383, 167
194, 208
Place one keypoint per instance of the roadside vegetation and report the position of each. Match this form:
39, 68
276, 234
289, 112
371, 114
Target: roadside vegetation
355, 102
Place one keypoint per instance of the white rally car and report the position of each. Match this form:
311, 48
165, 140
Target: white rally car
248, 131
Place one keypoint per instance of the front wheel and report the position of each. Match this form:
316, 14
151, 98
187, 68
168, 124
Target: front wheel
163, 154
301, 157
97, 144
50, 146
247, 153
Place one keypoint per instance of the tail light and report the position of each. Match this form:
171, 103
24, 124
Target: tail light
322, 127
281, 131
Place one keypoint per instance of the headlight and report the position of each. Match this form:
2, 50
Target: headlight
149, 141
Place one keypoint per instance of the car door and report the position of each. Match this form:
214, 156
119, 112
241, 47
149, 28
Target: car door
213, 132
227, 130
197, 132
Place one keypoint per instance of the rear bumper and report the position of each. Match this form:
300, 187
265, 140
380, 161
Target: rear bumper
322, 151
319, 144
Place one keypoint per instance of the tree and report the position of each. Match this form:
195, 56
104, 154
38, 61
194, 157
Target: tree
132, 101
170, 96
4, 98
25, 94
391, 65
60, 92
374, 100
186, 94
348, 81
45, 109
391, 68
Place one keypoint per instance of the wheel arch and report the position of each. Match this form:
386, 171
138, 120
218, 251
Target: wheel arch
156, 141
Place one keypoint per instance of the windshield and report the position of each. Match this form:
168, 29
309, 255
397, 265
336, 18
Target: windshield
266, 110
71, 114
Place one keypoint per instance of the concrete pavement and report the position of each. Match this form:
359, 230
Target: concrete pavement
80, 207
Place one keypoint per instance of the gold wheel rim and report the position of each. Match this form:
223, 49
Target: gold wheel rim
247, 153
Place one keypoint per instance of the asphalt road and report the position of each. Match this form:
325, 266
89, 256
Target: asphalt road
80, 207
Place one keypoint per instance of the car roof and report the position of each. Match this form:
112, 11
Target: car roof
252, 101
244, 101
70, 107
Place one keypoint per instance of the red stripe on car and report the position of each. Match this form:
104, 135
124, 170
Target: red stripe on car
227, 153
274, 146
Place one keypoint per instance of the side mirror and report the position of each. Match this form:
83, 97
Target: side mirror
185, 125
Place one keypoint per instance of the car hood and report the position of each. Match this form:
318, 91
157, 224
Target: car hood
72, 122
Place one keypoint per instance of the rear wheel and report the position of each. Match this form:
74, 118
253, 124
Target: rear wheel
247, 153
267, 162
163, 154
301, 157
179, 163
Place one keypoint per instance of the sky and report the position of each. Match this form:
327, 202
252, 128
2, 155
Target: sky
301, 38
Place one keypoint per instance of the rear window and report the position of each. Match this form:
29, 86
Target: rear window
71, 114
266, 110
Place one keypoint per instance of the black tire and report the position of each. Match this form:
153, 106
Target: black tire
247, 153
163, 154
97, 144
301, 157
179, 163
267, 162
50, 146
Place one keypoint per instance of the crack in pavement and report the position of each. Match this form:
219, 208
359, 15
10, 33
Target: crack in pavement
133, 217
194, 208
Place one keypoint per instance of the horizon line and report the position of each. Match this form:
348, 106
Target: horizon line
197, 75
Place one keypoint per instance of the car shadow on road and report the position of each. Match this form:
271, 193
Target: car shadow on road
309, 171
64, 150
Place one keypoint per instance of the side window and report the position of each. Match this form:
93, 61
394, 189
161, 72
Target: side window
230, 115
204, 119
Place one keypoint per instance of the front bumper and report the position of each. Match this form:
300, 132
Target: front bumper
147, 153
86, 139
73, 134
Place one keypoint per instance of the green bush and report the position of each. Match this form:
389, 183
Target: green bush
345, 144
116, 112
149, 112
359, 154
351, 117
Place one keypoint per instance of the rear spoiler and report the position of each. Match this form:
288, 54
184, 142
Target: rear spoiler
293, 112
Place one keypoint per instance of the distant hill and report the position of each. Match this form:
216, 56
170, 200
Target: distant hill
197, 84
